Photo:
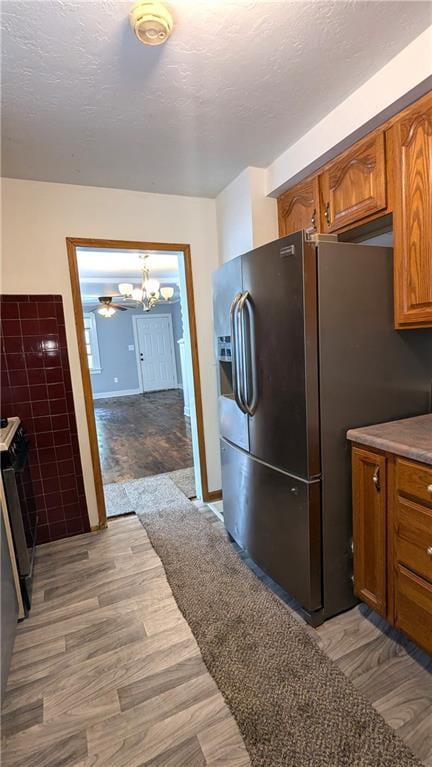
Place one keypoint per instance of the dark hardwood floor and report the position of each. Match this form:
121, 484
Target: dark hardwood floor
142, 435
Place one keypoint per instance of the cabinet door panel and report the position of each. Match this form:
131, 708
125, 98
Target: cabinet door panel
353, 187
369, 528
411, 149
298, 208
413, 607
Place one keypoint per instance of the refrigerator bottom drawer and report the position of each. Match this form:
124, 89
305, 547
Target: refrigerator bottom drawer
277, 519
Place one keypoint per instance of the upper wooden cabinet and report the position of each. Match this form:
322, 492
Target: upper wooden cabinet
353, 186
299, 207
389, 171
410, 152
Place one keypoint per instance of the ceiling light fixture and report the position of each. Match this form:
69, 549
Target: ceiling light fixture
148, 295
106, 311
106, 308
152, 22
167, 292
126, 288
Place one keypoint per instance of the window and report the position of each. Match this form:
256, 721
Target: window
91, 342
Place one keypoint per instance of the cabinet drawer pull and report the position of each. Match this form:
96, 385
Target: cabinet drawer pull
376, 478
429, 551
327, 213
429, 489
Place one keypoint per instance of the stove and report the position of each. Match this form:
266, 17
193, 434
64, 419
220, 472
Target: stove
14, 447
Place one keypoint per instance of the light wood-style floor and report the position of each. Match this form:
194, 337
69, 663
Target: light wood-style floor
106, 673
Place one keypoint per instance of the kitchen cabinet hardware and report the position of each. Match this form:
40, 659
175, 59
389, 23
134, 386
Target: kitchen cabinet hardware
375, 478
392, 533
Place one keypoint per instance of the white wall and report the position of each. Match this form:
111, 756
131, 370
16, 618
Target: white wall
246, 217
38, 216
264, 209
234, 218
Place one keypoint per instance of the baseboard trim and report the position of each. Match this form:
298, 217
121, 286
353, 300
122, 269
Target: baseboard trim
120, 393
213, 495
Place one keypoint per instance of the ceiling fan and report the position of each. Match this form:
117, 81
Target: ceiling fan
106, 307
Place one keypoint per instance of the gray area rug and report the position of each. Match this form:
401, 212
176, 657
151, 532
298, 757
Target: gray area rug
149, 494
185, 481
294, 707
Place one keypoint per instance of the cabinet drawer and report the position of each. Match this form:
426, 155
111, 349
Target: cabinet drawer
413, 607
414, 479
413, 528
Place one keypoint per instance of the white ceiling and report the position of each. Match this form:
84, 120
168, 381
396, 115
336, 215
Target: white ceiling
238, 82
116, 264
100, 271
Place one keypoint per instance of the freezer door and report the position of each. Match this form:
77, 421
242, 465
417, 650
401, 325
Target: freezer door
279, 317
276, 518
227, 290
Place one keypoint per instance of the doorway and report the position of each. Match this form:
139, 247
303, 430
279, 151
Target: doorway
140, 372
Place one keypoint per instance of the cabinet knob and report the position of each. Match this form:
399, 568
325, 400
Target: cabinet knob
429, 489
313, 219
327, 213
429, 551
376, 477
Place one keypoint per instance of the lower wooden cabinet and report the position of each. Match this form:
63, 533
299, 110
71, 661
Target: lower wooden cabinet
392, 540
369, 528
413, 606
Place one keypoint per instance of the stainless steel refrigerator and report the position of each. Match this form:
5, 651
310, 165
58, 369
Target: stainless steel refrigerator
306, 349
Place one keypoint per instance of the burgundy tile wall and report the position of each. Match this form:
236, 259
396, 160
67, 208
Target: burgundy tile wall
36, 386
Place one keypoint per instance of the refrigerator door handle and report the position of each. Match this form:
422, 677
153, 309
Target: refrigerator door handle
252, 401
243, 367
235, 352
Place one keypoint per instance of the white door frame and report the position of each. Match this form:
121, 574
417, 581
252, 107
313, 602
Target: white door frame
135, 319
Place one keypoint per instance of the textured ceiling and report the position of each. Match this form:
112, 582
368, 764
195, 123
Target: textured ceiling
84, 102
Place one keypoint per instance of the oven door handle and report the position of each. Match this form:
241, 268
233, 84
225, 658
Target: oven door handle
16, 521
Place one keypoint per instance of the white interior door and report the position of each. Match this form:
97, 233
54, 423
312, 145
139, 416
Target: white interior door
156, 356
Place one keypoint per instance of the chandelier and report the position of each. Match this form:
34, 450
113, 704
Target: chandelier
150, 292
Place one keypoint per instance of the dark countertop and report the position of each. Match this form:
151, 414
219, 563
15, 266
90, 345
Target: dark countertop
411, 437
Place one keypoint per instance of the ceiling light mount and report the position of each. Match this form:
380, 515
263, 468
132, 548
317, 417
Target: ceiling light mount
151, 21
